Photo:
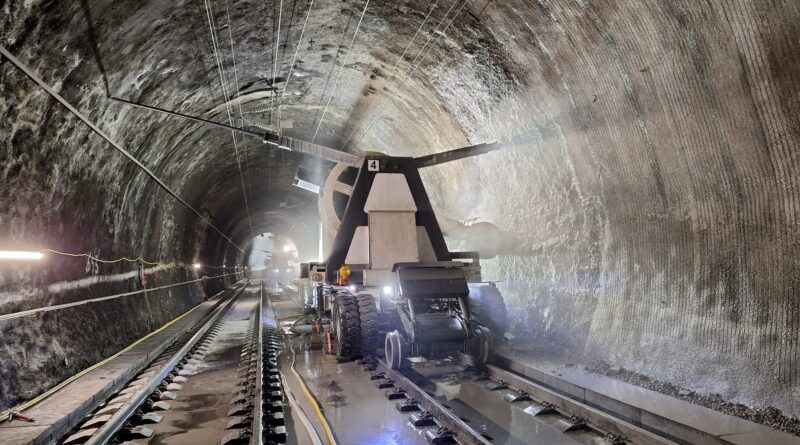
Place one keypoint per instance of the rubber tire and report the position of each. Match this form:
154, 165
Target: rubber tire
346, 319
393, 345
368, 315
487, 308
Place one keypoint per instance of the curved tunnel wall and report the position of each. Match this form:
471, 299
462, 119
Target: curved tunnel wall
652, 208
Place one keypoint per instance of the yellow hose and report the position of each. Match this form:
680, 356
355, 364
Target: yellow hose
328, 433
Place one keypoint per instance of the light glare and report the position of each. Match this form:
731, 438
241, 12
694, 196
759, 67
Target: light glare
20, 255
197, 265
387, 290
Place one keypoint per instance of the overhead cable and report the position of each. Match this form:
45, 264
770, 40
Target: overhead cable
226, 97
267, 137
239, 103
113, 143
417, 60
99, 260
294, 58
344, 63
394, 68
276, 46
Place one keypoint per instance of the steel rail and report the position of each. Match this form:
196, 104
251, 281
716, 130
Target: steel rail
600, 420
640, 421
107, 432
258, 400
444, 417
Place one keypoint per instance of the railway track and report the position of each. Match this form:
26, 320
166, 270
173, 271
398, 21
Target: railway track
208, 387
452, 402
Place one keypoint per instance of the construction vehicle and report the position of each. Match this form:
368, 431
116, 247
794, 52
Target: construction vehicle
400, 280
390, 281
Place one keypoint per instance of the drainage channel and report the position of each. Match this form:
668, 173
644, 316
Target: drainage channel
206, 388
456, 403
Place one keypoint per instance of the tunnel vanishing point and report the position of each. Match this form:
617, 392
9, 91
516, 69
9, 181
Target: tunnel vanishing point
631, 179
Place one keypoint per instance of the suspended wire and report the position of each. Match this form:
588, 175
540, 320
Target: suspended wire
294, 58
344, 63
438, 36
288, 33
276, 46
226, 97
394, 68
239, 103
417, 60
333, 65
173, 265
428, 40
118, 260
113, 143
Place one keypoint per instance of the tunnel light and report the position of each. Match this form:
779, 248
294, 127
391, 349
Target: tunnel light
387, 290
20, 255
305, 185
308, 179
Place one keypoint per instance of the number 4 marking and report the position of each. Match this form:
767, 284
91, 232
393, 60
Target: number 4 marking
373, 165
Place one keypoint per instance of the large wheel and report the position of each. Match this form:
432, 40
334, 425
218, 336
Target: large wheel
368, 315
394, 350
346, 325
481, 345
487, 307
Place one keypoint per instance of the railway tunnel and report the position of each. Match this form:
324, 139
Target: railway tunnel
638, 212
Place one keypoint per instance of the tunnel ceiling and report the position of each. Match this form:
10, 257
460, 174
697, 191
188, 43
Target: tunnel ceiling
653, 211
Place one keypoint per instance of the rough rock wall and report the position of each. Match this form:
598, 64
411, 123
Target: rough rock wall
656, 211
63, 188
649, 222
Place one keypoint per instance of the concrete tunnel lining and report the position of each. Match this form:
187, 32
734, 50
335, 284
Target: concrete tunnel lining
654, 212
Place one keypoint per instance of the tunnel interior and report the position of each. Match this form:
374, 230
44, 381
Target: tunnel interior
646, 226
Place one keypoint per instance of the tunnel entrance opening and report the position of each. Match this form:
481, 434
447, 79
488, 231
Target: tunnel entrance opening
272, 258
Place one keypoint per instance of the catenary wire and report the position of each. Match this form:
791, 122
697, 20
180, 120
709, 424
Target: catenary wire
239, 103
113, 143
294, 58
276, 45
394, 68
333, 67
341, 69
226, 97
417, 60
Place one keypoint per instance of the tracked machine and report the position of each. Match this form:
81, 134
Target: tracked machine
390, 282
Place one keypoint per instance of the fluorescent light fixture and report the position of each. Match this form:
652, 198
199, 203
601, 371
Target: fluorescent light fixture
387, 290
20, 255
305, 185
